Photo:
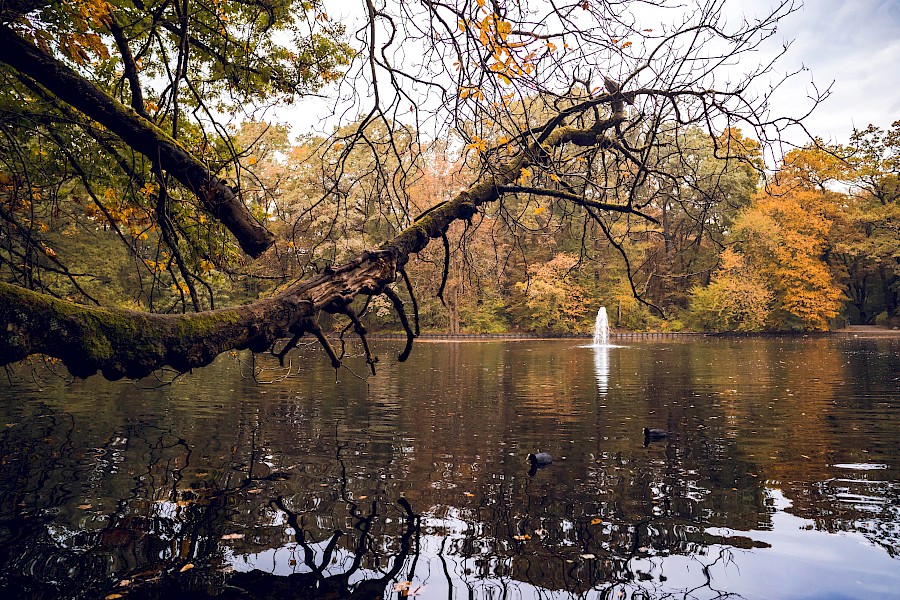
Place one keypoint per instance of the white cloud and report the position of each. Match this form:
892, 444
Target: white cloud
854, 44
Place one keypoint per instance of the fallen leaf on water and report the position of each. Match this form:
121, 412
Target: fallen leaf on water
84, 506
468, 494
233, 536
522, 538
149, 575
596, 521
114, 596
254, 491
588, 556
125, 583
186, 567
363, 497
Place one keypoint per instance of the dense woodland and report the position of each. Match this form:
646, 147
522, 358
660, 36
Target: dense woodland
811, 246
523, 173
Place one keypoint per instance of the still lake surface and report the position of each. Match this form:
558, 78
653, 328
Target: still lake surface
780, 477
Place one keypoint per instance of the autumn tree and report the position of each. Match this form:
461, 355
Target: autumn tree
784, 235
552, 298
737, 299
864, 247
574, 105
709, 182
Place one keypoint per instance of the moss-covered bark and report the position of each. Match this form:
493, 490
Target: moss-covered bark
124, 343
138, 133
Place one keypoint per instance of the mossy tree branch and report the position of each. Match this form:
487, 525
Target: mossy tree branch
139, 134
124, 343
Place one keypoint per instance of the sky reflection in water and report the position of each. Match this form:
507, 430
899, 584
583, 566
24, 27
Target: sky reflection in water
779, 478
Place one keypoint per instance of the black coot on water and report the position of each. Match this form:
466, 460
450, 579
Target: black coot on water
654, 435
539, 460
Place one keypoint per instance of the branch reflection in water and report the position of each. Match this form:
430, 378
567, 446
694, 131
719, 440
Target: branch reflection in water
416, 482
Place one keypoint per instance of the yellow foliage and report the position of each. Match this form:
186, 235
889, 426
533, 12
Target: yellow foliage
737, 298
784, 235
48, 250
554, 301
467, 91
478, 144
85, 19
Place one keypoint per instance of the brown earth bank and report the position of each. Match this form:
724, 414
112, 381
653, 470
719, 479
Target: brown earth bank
854, 330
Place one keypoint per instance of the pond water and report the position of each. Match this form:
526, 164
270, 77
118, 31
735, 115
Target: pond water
779, 478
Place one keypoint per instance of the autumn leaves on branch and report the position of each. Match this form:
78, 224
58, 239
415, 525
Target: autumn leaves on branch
532, 104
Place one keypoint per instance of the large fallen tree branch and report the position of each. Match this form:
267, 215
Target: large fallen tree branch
138, 133
125, 343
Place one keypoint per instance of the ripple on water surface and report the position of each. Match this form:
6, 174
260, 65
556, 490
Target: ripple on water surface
778, 477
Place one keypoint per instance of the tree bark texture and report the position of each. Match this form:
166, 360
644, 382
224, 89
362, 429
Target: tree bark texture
138, 133
124, 343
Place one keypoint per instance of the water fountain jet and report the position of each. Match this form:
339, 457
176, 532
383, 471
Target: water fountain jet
601, 328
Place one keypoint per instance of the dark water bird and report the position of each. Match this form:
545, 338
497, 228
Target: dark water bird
654, 435
539, 461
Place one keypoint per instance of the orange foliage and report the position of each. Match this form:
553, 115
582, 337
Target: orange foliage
784, 234
554, 302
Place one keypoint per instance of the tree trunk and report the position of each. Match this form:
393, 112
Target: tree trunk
126, 343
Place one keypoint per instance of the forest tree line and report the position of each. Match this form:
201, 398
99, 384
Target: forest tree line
515, 176
730, 246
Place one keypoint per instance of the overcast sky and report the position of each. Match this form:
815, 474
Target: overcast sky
856, 45
853, 46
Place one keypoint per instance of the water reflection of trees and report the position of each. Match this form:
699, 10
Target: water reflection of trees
70, 528
272, 479
137, 515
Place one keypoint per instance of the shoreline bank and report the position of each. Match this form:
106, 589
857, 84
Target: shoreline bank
856, 331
